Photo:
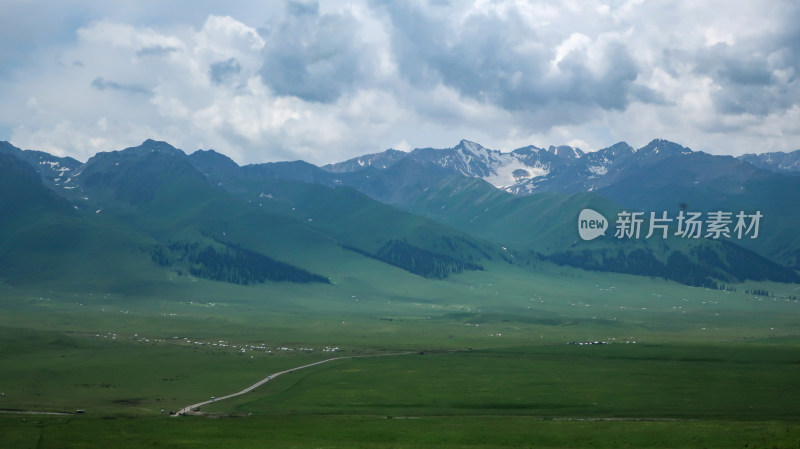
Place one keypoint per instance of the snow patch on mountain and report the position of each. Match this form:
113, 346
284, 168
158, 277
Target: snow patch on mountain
472, 147
598, 170
508, 174
566, 151
55, 166
502, 170
776, 162
371, 161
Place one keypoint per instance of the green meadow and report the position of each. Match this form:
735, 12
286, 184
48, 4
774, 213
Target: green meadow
598, 381
488, 362
315, 431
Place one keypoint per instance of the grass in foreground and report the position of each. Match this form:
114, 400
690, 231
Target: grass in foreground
743, 391
311, 431
725, 381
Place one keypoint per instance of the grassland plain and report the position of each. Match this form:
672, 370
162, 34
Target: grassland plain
717, 367
742, 381
315, 431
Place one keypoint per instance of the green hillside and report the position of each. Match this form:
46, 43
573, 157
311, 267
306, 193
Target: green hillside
702, 182
47, 242
544, 226
150, 205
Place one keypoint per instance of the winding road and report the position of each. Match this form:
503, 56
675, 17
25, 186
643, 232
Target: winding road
188, 409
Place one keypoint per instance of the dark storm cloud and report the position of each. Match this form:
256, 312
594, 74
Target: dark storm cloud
101, 83
746, 80
218, 71
614, 88
313, 56
507, 62
756, 76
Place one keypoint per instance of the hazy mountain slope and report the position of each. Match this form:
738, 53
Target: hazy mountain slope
154, 179
547, 223
351, 219
338, 210
382, 160
536, 222
203, 214
47, 242
702, 182
22, 190
661, 176
55, 171
174, 196
400, 183
778, 161
156, 188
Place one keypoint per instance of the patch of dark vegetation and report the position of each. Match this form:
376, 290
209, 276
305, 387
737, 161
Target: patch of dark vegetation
475, 247
482, 318
228, 262
758, 292
791, 256
708, 267
176, 377
745, 264
100, 385
63, 342
419, 261
132, 401
767, 293
512, 406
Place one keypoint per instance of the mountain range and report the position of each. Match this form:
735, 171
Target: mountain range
137, 213
564, 169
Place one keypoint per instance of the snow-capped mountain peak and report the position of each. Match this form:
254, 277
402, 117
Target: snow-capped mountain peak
566, 151
528, 169
470, 146
502, 170
779, 162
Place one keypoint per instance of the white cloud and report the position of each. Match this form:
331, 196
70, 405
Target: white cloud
331, 81
575, 41
403, 146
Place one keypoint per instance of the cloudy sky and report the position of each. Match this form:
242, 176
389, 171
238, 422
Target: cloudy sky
325, 81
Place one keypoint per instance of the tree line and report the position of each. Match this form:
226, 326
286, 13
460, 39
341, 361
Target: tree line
417, 260
708, 267
228, 263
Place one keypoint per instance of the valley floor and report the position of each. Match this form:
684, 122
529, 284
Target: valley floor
489, 362
314, 431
